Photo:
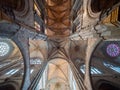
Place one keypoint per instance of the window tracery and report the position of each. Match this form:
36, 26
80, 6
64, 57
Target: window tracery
4, 49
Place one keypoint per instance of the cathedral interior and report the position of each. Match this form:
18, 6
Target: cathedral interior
59, 44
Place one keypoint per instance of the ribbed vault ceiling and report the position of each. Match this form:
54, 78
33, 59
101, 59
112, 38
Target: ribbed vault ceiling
58, 74
58, 17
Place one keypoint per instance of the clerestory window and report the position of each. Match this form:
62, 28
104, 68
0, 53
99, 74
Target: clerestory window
112, 66
94, 70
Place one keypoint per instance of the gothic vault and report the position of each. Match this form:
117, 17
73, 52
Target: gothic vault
59, 44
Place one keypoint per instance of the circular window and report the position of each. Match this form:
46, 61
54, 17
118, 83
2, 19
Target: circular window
4, 48
113, 50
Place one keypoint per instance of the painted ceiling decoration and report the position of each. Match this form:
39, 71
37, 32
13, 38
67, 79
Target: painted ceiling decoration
58, 16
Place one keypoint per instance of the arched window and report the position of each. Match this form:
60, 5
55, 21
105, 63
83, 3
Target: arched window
112, 66
11, 72
35, 61
94, 70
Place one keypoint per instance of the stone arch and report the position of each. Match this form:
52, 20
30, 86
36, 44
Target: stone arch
90, 50
10, 30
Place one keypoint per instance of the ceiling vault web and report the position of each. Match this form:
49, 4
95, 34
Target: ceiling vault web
64, 33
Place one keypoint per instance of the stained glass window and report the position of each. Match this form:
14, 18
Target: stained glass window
37, 26
31, 71
112, 66
93, 70
35, 61
113, 50
4, 48
11, 72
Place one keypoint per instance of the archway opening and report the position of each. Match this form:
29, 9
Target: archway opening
105, 65
11, 65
